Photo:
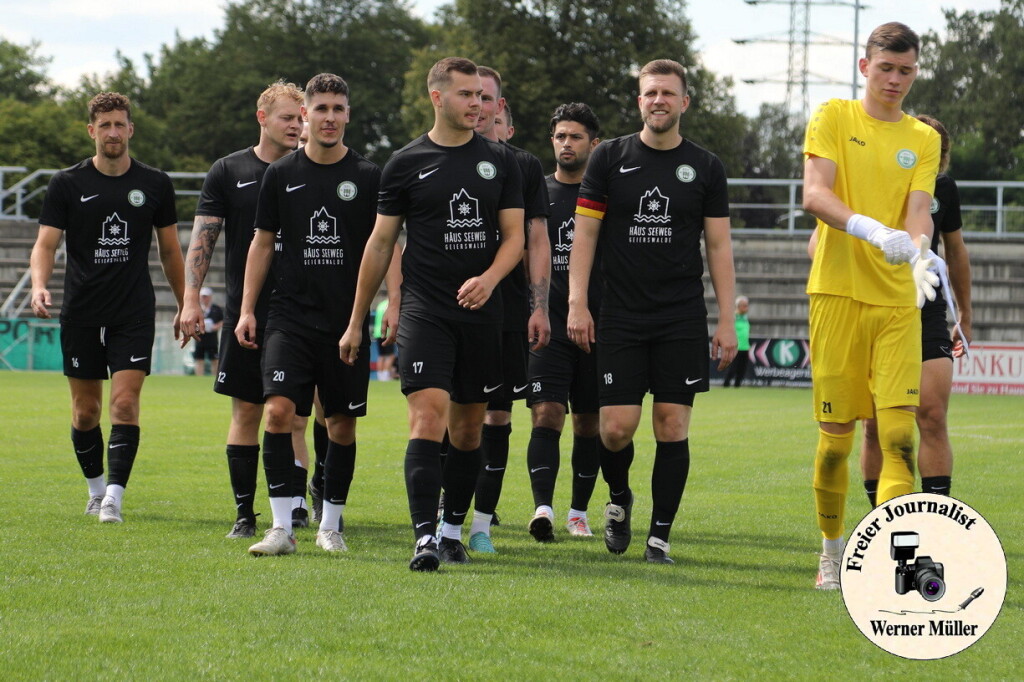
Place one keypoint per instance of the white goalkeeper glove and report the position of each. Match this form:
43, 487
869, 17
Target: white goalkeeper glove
926, 267
897, 245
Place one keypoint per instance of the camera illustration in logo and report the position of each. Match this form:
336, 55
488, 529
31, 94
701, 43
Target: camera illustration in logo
924, 575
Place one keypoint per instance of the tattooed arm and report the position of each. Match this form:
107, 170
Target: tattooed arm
538, 268
205, 231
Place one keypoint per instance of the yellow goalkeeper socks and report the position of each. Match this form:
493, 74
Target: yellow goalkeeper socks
896, 436
831, 480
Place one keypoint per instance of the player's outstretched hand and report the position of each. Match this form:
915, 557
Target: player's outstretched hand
41, 301
896, 245
474, 292
925, 265
539, 329
245, 331
580, 328
724, 345
348, 346
193, 322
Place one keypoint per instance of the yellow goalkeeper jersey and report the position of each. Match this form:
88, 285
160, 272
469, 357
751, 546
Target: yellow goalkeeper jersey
879, 163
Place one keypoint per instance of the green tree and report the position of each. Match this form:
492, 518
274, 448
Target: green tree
973, 81
23, 72
555, 51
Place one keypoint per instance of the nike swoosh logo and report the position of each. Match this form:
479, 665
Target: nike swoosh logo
623, 169
490, 468
659, 523
538, 469
116, 445
945, 350
585, 476
691, 382
353, 406
241, 184
85, 198
421, 524
242, 497
424, 174
82, 452
458, 513
517, 389
275, 487
289, 188
135, 359
491, 389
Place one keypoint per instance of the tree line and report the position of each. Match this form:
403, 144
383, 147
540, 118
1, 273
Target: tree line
195, 99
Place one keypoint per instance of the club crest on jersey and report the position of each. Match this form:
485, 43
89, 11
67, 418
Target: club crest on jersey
136, 197
906, 158
685, 173
465, 226
652, 220
935, 206
323, 228
486, 170
560, 251
347, 190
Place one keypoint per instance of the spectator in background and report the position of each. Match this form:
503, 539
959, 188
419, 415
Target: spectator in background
738, 369
206, 343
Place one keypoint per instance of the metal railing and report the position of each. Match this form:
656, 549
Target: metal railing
758, 204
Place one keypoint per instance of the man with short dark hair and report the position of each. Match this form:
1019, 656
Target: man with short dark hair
649, 198
460, 199
526, 326
561, 374
322, 200
107, 208
228, 203
869, 175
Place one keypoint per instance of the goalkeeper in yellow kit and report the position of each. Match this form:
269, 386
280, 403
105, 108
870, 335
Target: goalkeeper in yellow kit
869, 175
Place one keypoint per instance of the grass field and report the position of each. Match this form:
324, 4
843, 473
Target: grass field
166, 596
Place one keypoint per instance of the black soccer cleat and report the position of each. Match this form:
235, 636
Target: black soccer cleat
425, 557
452, 551
495, 521
657, 551
541, 528
617, 532
300, 518
245, 527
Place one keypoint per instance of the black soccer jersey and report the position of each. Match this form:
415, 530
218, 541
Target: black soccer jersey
325, 214
653, 203
229, 192
108, 229
945, 218
450, 197
561, 228
515, 294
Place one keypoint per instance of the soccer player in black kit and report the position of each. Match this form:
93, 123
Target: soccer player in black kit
106, 208
228, 204
525, 327
323, 200
460, 198
648, 198
562, 374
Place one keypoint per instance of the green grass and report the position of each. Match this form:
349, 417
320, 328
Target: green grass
166, 596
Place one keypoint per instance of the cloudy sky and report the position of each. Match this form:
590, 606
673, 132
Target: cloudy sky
83, 37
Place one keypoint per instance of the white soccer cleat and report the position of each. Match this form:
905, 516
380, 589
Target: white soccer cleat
275, 541
92, 508
110, 511
579, 527
828, 573
331, 541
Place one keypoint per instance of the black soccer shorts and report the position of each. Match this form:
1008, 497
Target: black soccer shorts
90, 351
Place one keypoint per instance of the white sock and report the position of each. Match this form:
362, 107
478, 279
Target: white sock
97, 486
451, 532
116, 492
282, 509
481, 524
299, 503
331, 519
576, 513
833, 547
545, 509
